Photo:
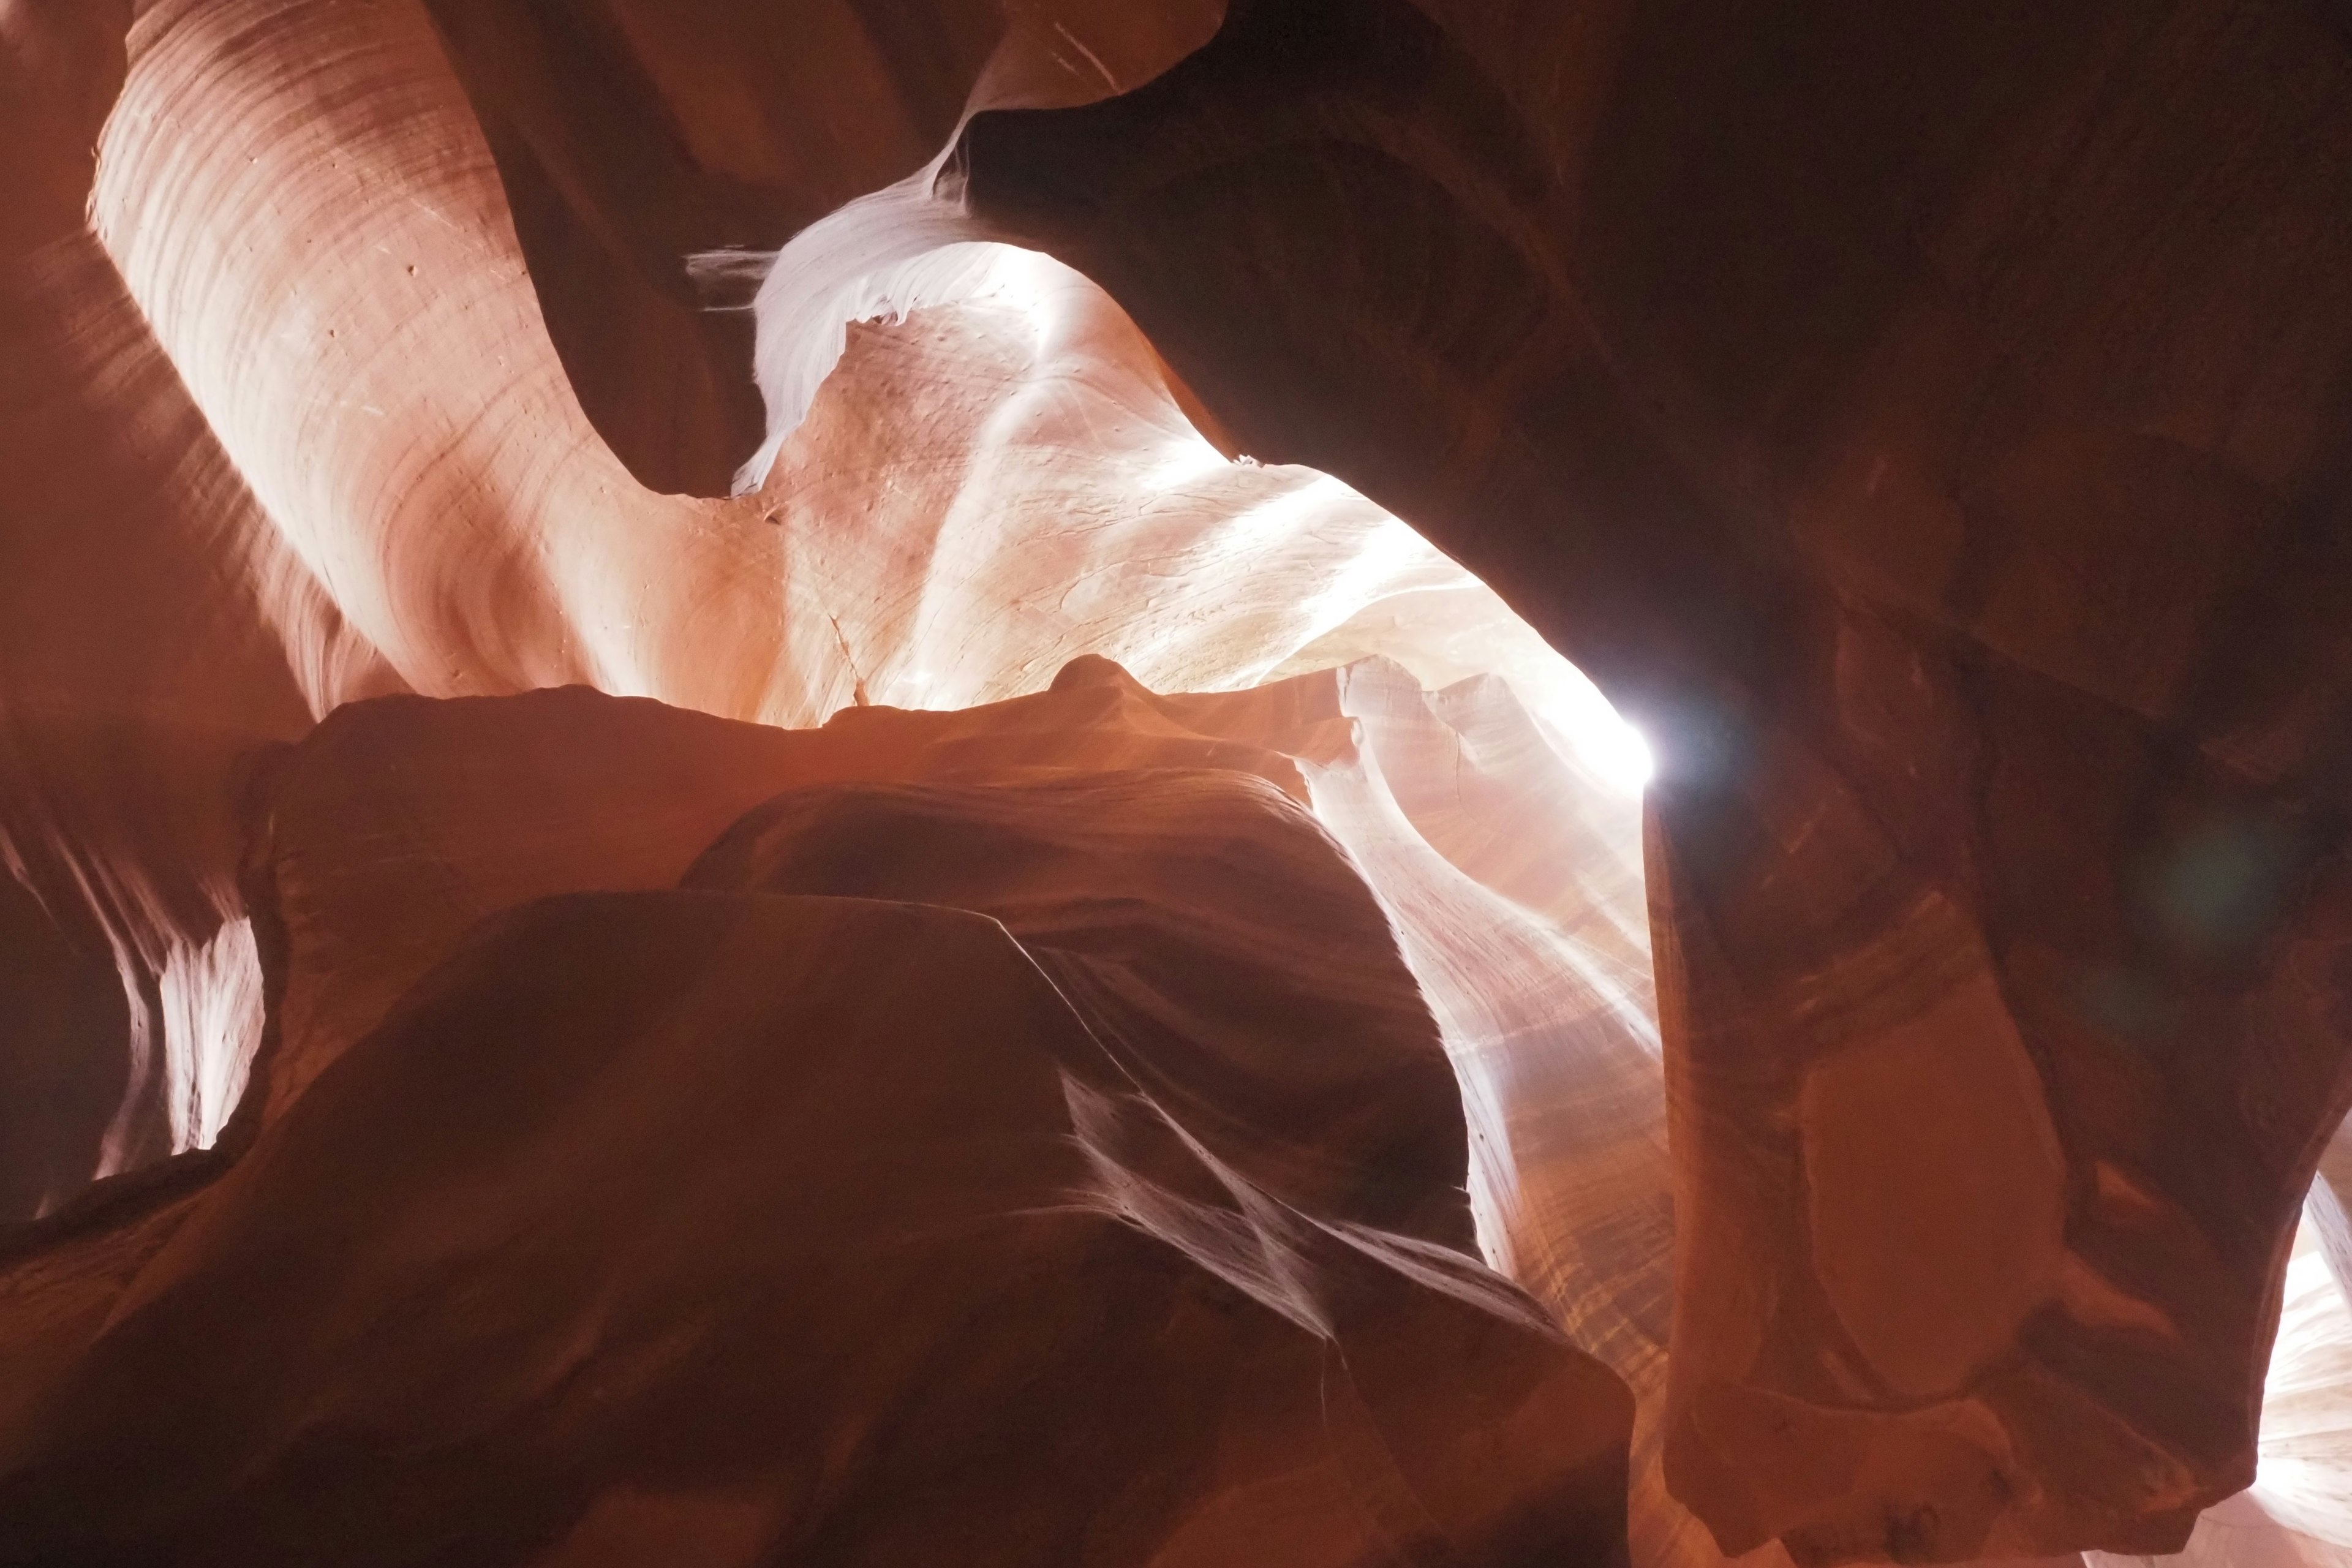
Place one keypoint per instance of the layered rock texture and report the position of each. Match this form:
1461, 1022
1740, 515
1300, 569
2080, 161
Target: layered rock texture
758, 808
887, 1182
1151, 1118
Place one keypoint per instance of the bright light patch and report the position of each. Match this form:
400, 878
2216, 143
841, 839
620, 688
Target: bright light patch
1573, 709
1616, 751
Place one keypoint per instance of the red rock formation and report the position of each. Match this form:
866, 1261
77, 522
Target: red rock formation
769, 120
294, 495
66, 1018
153, 628
682, 1221
2014, 805
1929, 425
1873, 405
600, 1175
1208, 936
1206, 931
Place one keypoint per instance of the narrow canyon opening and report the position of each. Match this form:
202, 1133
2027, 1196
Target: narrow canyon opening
816, 783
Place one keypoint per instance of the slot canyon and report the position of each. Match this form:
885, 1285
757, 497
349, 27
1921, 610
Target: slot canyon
1175, 783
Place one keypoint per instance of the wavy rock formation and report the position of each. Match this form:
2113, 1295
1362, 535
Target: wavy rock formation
769, 120
984, 492
1910, 461
1929, 425
1181, 1188
1143, 870
1955, 563
617, 1194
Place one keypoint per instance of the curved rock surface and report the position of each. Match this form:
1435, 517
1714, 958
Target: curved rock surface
1873, 405
1908, 459
1251, 1041
1928, 425
581, 1255
1211, 936
291, 516
1223, 957
769, 120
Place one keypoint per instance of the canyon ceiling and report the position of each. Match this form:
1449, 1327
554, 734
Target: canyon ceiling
848, 782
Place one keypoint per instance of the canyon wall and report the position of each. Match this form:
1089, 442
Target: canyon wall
1929, 426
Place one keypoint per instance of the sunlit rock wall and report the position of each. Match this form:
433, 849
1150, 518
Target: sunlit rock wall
1928, 425
986, 489
378, 479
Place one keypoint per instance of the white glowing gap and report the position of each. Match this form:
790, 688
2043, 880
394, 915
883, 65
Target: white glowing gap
1604, 742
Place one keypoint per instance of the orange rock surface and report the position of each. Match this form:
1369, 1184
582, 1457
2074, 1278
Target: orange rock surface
1161, 1162
1927, 425
692, 1222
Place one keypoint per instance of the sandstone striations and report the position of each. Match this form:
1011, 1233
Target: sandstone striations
1060, 1018
538, 544
690, 1222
